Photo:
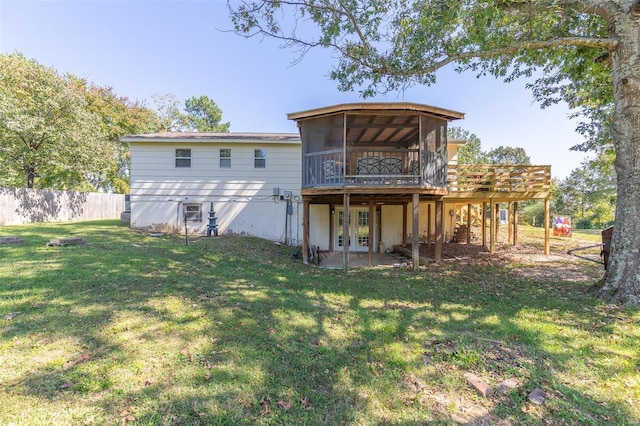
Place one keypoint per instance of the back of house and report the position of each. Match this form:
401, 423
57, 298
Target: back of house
251, 181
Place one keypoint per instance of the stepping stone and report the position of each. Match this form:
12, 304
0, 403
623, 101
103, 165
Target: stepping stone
536, 396
10, 240
506, 385
61, 242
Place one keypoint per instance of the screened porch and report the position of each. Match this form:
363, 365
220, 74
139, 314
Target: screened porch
374, 148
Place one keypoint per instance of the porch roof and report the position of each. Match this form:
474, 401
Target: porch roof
385, 107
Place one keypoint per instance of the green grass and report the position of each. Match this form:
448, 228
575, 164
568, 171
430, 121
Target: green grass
132, 329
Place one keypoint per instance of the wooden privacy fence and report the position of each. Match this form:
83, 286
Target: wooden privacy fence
498, 178
21, 205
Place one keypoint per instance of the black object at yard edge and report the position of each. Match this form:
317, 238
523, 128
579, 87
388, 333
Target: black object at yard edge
571, 252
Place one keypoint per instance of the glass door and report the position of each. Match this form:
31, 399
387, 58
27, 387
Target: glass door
358, 238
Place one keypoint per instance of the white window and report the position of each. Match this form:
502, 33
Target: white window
192, 212
225, 158
183, 157
260, 158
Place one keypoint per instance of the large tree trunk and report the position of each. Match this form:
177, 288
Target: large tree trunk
622, 284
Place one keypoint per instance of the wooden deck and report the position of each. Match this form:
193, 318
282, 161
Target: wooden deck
500, 182
463, 182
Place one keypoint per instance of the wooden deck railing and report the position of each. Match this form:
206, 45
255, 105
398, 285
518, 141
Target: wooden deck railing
372, 168
498, 178
403, 167
325, 168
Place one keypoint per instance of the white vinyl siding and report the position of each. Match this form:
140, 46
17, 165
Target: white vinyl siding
242, 195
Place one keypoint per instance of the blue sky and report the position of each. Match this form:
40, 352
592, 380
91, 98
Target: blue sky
141, 48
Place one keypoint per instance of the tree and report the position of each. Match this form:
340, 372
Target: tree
119, 117
508, 155
471, 152
167, 108
201, 114
204, 115
387, 45
48, 138
588, 194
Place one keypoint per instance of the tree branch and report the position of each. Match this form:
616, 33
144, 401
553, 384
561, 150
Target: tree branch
507, 50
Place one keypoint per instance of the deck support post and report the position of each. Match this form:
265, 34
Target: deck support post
469, 223
331, 227
429, 226
492, 226
346, 237
484, 224
497, 219
372, 222
305, 230
415, 228
509, 222
404, 223
546, 226
437, 252
515, 223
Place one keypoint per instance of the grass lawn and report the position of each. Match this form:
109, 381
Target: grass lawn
140, 330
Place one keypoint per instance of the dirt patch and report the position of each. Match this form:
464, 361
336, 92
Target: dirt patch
503, 367
526, 260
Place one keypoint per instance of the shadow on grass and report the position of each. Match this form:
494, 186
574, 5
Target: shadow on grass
131, 328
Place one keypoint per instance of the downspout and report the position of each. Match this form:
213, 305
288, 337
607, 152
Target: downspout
180, 202
287, 212
297, 200
286, 228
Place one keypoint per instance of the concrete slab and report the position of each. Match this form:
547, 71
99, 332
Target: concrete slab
333, 260
11, 240
63, 242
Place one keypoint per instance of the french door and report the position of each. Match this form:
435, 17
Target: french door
358, 238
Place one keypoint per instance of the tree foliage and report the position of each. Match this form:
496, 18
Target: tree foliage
588, 194
204, 115
167, 108
471, 152
63, 132
508, 155
386, 45
580, 51
201, 114
119, 116
48, 137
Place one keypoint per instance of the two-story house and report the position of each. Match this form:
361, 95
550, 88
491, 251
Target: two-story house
389, 165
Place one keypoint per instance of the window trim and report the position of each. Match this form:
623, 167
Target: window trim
181, 158
192, 215
226, 159
259, 157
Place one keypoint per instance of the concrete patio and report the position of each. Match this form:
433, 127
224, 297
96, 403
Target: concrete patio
333, 260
